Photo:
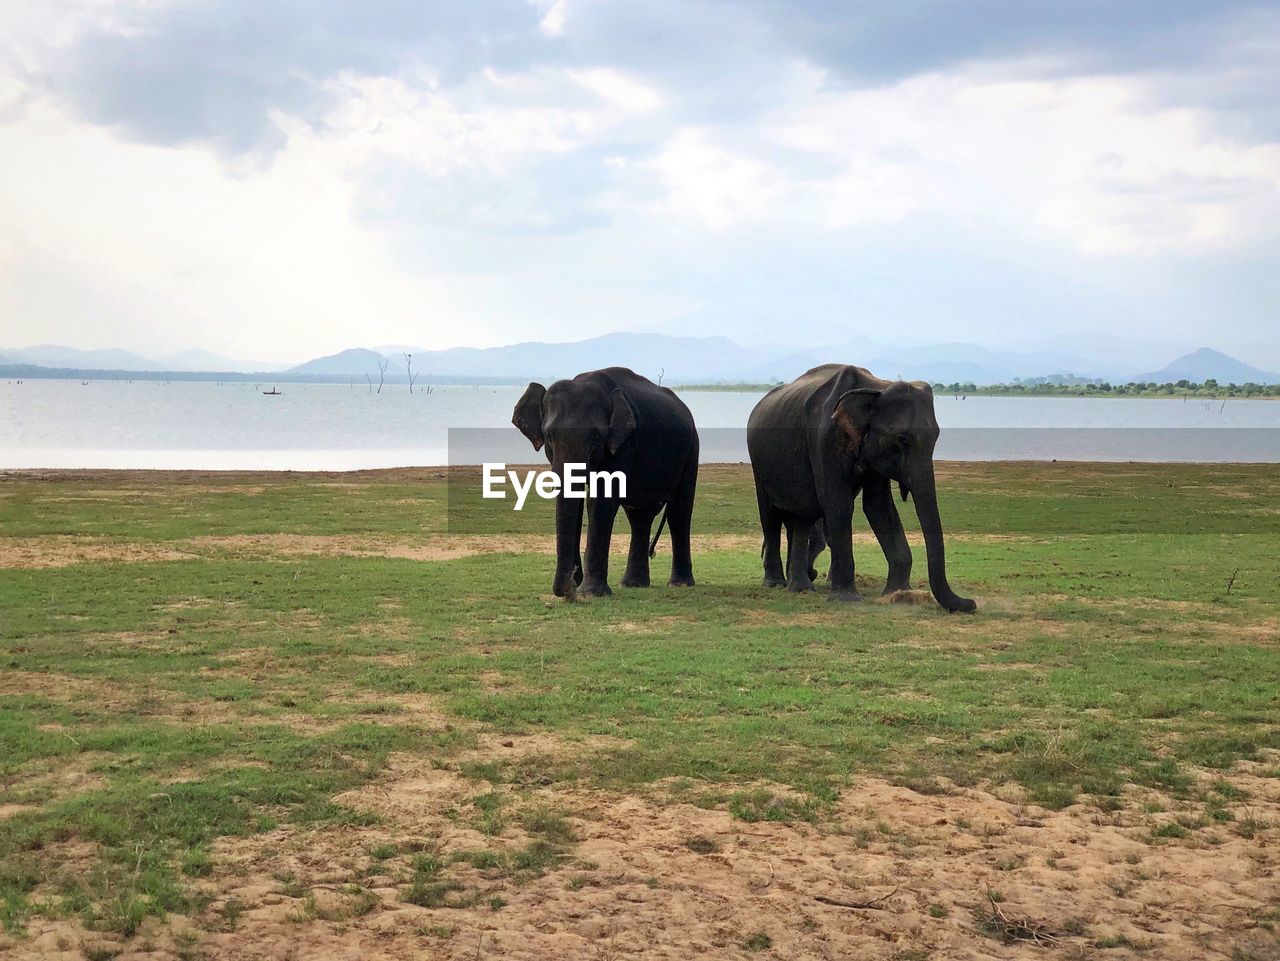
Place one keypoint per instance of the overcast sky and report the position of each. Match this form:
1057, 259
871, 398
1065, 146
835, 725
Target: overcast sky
276, 180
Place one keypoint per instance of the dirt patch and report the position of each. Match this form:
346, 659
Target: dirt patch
53, 779
113, 698
60, 551
432, 548
653, 625
890, 874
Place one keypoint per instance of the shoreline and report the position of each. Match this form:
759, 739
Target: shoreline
441, 472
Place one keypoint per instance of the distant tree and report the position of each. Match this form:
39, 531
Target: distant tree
382, 371
408, 366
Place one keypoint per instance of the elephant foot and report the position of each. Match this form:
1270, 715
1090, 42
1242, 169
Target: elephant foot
680, 580
634, 580
800, 587
961, 605
772, 580
595, 589
897, 581
846, 595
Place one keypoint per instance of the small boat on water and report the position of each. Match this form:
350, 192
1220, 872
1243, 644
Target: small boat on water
272, 393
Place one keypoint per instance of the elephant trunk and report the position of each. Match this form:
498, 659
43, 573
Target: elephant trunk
924, 492
568, 542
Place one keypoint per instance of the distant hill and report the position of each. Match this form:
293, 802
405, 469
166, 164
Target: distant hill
710, 359
355, 362
674, 359
54, 355
972, 363
653, 355
1207, 363
197, 358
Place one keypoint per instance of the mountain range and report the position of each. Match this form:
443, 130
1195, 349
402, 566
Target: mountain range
673, 359
194, 359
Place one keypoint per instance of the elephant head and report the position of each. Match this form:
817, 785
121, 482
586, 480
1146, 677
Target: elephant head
892, 433
578, 422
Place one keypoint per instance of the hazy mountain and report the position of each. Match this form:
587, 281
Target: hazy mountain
397, 350
1205, 363
196, 358
355, 362
948, 363
55, 355
653, 355
676, 359
941, 363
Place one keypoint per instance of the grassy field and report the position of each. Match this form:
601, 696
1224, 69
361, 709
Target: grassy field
241, 714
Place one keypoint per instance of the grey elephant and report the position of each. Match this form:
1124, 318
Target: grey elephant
815, 444
616, 420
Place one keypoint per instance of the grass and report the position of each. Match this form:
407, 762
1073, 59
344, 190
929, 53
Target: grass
222, 689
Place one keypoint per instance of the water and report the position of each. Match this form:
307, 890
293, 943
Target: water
207, 426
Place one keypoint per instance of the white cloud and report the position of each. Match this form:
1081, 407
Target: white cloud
113, 242
617, 88
441, 203
496, 121
712, 186
556, 12
1088, 158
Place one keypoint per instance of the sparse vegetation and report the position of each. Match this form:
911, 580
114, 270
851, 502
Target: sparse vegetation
757, 941
202, 682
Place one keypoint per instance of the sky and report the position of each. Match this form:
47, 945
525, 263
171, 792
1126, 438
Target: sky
275, 181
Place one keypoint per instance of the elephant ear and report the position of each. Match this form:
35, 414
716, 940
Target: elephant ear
853, 414
527, 417
622, 422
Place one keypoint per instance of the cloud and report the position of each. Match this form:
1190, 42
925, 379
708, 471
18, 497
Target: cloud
451, 172
217, 72
119, 242
1089, 158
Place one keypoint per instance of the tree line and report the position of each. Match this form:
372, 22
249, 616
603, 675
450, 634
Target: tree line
1179, 388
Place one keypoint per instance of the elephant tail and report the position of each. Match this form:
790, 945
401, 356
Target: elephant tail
653, 544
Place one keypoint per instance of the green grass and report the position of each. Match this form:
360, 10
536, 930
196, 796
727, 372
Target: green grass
233, 689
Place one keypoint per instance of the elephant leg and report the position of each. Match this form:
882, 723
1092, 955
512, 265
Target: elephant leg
771, 550
817, 544
637, 572
882, 515
798, 579
595, 583
839, 517
680, 523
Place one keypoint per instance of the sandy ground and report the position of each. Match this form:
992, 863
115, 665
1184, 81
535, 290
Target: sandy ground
887, 874
61, 550
892, 874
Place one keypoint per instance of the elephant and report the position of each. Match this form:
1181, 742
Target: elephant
815, 444
815, 543
616, 420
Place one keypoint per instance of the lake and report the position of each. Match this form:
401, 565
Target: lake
208, 426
